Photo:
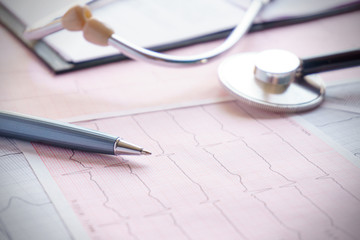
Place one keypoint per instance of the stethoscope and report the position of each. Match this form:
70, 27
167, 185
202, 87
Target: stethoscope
274, 80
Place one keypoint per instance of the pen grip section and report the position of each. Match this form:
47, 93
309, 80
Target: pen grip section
55, 133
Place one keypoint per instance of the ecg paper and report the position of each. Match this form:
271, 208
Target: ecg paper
218, 171
23, 201
339, 116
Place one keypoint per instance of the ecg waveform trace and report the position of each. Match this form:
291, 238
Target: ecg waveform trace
26, 212
218, 171
339, 118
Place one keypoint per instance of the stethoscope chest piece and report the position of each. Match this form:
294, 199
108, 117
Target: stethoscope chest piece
269, 80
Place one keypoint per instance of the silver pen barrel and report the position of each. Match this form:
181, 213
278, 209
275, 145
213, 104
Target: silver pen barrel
63, 135
123, 147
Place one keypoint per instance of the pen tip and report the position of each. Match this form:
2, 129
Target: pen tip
144, 152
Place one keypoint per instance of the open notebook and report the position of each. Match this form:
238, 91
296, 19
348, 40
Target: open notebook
156, 24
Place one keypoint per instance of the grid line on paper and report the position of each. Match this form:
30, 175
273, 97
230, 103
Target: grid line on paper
26, 212
216, 172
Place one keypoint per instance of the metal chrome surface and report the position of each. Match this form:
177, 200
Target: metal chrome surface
125, 148
276, 66
139, 53
236, 73
37, 32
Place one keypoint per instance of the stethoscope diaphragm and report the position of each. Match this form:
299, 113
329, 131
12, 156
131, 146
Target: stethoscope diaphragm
250, 81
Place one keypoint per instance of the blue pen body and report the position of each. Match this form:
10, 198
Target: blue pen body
55, 133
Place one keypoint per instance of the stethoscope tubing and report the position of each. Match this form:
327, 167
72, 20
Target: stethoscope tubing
139, 53
284, 89
330, 62
136, 52
133, 51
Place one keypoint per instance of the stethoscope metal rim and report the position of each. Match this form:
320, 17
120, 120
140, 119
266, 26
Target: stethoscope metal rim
236, 73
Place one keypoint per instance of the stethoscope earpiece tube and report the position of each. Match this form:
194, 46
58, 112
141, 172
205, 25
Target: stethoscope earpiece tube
79, 18
139, 53
330, 62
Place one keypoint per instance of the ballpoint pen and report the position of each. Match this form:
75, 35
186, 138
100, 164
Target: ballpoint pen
64, 135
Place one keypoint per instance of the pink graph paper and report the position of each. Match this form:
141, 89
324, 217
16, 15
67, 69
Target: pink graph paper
217, 171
